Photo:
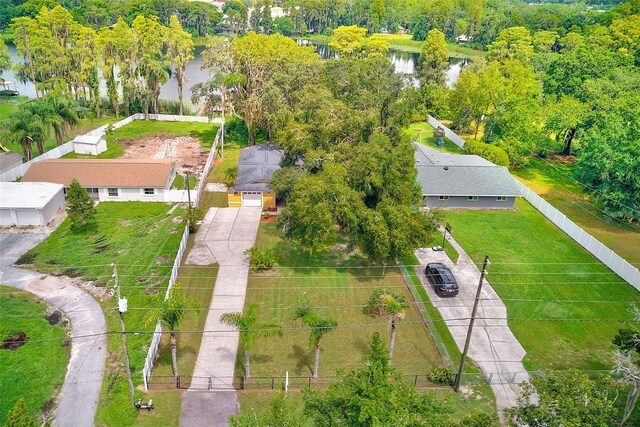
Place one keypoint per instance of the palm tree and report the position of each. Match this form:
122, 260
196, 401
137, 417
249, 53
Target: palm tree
247, 324
386, 303
319, 327
24, 128
64, 117
170, 313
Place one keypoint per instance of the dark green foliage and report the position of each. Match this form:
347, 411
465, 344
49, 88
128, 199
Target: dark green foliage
19, 416
628, 339
261, 260
440, 376
565, 398
230, 175
284, 179
374, 395
79, 207
490, 152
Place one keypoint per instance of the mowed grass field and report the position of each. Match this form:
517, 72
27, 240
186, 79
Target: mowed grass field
143, 239
36, 370
339, 287
563, 305
422, 132
553, 181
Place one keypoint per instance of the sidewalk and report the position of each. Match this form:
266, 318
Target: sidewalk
223, 237
493, 346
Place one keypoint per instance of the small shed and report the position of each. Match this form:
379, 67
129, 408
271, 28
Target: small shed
89, 144
29, 203
9, 160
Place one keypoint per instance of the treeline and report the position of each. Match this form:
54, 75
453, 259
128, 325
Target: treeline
544, 93
197, 18
348, 171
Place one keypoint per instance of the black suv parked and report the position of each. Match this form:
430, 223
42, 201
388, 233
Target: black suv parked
442, 279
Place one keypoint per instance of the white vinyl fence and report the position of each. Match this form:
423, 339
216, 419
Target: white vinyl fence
155, 341
15, 173
451, 135
621, 267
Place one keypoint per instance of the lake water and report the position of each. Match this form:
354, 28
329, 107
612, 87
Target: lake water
404, 62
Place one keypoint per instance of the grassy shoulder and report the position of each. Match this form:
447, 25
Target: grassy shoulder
553, 181
340, 286
36, 370
563, 305
204, 132
142, 238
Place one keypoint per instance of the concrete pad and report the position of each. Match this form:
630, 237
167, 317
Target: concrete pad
200, 254
231, 232
493, 346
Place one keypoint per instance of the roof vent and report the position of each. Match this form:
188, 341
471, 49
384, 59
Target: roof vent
446, 168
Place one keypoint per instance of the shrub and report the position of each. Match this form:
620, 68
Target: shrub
230, 175
195, 215
79, 207
440, 376
261, 260
490, 152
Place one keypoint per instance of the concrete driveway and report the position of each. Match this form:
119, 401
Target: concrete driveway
493, 346
78, 399
222, 238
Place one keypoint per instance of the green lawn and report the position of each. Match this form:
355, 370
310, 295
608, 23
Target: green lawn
553, 181
341, 293
36, 370
142, 238
543, 275
179, 182
422, 132
406, 43
205, 132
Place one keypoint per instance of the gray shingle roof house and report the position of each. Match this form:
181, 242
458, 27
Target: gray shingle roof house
256, 165
463, 181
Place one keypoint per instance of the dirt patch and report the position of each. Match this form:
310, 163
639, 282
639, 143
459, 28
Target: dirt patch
14, 341
125, 223
162, 260
177, 220
185, 150
53, 318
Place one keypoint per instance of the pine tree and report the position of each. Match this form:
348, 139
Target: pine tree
19, 416
79, 207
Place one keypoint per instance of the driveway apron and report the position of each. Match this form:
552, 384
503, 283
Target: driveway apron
78, 399
225, 235
493, 346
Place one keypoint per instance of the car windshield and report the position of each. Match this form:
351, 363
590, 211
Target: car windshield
447, 277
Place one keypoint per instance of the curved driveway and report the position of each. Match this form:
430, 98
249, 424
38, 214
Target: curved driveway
78, 400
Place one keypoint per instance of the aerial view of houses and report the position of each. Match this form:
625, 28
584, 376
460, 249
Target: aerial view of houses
378, 213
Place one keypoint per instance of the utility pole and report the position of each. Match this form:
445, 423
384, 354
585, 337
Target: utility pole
456, 386
189, 188
122, 308
444, 236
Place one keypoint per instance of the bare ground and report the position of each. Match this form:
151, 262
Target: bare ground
185, 150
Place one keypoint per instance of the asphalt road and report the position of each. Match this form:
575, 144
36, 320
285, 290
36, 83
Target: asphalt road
78, 399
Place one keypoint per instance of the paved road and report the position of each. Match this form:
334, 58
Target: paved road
494, 348
79, 396
223, 237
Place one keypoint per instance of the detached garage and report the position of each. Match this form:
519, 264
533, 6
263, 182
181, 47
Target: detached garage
29, 203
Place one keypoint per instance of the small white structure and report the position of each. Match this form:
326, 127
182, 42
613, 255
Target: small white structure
29, 203
89, 144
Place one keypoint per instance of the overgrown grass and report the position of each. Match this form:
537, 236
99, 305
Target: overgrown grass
213, 199
36, 370
422, 132
142, 238
204, 132
563, 305
339, 285
179, 182
553, 181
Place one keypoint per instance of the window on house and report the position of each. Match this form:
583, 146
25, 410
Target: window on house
92, 190
472, 198
443, 198
149, 191
113, 192
501, 198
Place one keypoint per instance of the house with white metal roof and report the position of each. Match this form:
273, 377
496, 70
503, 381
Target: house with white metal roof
463, 181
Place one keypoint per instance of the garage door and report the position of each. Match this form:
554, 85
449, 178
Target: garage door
5, 217
251, 198
28, 217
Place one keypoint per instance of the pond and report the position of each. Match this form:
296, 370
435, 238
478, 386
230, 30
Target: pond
404, 62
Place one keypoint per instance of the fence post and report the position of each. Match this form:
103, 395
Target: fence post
178, 381
309, 382
415, 381
209, 386
242, 382
273, 379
